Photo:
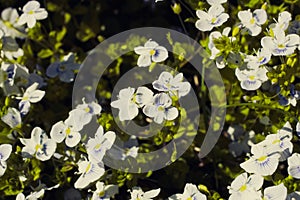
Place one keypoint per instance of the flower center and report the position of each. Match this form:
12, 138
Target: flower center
62, 68
37, 147
25, 98
276, 141
8, 24
252, 21
152, 52
101, 194
190, 198
68, 131
214, 20
97, 147
252, 77
87, 109
281, 46
88, 167
243, 188
262, 158
31, 12
160, 108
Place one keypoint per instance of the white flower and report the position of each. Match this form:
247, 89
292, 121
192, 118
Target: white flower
284, 19
262, 57
138, 194
5, 151
262, 162
68, 130
150, 52
220, 61
280, 142
251, 79
31, 13
129, 102
9, 25
83, 113
244, 187
39, 145
104, 192
97, 147
161, 108
190, 192
214, 17
12, 118
10, 48
174, 85
89, 171
31, 95
64, 69
294, 165
252, 22
216, 2
278, 192
32, 196
280, 44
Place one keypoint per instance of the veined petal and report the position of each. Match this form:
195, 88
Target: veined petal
245, 16
151, 44
161, 54
151, 193
36, 96
144, 60
5, 151
260, 16
204, 25
73, 138
31, 6
277, 192
40, 14
57, 131
171, 113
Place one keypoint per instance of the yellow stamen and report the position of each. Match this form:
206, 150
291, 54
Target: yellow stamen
30, 12
68, 131
101, 194
97, 146
262, 158
243, 188
281, 46
37, 147
160, 108
88, 168
252, 21
276, 141
252, 77
87, 109
190, 198
213, 20
152, 52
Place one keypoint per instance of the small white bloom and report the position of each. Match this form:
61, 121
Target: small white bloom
174, 85
83, 113
68, 130
31, 95
216, 2
138, 194
9, 25
10, 48
262, 162
150, 52
280, 44
161, 108
39, 145
294, 165
243, 187
97, 147
280, 142
90, 172
284, 19
214, 17
104, 192
278, 192
251, 79
262, 57
129, 102
31, 13
12, 118
5, 151
190, 192
253, 22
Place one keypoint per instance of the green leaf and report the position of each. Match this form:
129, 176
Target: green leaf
45, 53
